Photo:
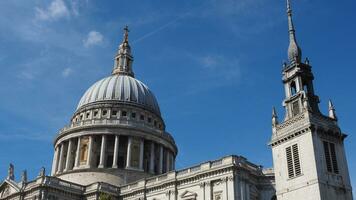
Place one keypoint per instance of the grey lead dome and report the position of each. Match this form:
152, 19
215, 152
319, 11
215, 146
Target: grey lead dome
123, 89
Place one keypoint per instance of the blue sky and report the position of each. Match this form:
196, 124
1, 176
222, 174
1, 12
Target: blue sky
214, 65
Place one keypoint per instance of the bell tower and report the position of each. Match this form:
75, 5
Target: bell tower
307, 146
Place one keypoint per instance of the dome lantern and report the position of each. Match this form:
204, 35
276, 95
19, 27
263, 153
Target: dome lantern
124, 59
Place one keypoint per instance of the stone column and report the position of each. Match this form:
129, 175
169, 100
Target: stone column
61, 158
55, 160
102, 151
128, 157
116, 152
160, 169
152, 158
90, 149
247, 190
299, 84
141, 154
77, 155
69, 152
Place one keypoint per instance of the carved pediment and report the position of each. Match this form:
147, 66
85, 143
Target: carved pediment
8, 187
188, 195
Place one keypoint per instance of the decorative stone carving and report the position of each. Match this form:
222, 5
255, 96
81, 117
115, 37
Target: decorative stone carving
42, 172
188, 195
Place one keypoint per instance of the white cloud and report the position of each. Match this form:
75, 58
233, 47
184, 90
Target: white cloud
66, 72
26, 75
221, 66
25, 136
56, 10
93, 38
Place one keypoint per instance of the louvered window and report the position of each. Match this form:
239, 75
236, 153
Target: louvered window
293, 161
296, 160
327, 157
330, 157
290, 162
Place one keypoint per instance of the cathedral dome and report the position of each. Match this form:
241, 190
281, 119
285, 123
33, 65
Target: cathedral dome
122, 89
117, 134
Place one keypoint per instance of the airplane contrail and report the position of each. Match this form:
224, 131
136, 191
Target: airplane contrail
165, 25
158, 29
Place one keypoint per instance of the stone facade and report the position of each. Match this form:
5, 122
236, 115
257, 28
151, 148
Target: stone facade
229, 178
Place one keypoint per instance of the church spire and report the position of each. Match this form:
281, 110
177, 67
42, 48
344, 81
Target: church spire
294, 52
124, 59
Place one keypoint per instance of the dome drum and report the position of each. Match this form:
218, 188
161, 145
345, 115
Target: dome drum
113, 111
95, 150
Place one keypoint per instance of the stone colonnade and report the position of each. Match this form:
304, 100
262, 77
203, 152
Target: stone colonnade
112, 151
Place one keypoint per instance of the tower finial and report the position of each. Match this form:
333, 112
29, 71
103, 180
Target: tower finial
11, 172
124, 59
332, 113
274, 117
294, 52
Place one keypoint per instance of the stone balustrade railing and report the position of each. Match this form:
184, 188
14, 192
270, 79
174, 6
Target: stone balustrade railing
102, 187
171, 176
113, 122
56, 182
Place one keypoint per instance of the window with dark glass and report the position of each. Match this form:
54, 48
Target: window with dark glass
105, 112
114, 112
293, 88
